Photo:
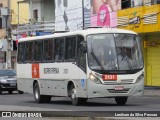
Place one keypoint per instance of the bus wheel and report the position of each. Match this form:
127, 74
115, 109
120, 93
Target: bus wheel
121, 100
40, 98
75, 100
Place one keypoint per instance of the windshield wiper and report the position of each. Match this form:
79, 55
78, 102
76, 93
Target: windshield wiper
96, 59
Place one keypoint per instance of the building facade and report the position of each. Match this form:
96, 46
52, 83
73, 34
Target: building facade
41, 16
145, 21
19, 12
10, 17
3, 4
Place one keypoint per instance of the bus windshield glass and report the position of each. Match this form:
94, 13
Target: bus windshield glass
114, 52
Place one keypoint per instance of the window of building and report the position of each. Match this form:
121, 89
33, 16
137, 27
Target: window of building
158, 1
35, 15
147, 2
59, 49
136, 3
126, 4
29, 51
21, 48
14, 45
70, 48
38, 51
48, 50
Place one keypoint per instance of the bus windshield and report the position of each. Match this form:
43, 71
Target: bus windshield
114, 52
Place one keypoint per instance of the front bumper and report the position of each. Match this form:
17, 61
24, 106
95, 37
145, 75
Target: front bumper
8, 86
100, 90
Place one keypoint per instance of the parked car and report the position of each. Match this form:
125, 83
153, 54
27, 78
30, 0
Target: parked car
8, 81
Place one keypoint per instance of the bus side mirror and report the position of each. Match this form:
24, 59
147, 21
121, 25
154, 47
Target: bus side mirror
83, 46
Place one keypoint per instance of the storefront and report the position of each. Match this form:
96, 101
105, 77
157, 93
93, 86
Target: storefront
145, 21
152, 57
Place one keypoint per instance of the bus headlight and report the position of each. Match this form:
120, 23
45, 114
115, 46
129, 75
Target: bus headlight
140, 78
94, 79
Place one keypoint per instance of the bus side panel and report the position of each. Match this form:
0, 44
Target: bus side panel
53, 78
81, 88
25, 85
53, 87
59, 74
59, 87
82, 84
63, 88
24, 78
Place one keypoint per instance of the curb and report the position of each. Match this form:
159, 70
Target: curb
151, 92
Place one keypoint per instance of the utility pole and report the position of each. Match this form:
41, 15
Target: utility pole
83, 25
9, 38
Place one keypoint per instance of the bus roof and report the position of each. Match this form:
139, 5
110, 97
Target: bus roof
84, 32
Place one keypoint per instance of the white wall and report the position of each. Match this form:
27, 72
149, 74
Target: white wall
2, 65
37, 6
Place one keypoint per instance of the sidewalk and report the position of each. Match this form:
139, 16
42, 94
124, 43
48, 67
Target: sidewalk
152, 91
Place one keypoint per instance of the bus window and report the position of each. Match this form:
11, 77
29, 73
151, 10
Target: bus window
81, 56
48, 50
20, 57
59, 49
29, 52
38, 51
70, 48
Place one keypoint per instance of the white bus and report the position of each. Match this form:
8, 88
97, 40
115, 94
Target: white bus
84, 64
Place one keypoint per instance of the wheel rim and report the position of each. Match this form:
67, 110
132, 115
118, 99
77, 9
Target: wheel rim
73, 94
37, 93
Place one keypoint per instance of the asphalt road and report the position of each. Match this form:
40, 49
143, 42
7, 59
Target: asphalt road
62, 106
143, 103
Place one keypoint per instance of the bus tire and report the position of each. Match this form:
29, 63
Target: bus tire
121, 100
75, 100
40, 98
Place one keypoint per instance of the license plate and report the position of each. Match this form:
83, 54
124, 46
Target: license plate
109, 77
13, 84
119, 88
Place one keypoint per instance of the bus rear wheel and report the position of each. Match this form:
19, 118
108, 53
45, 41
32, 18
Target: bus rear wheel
40, 98
121, 100
75, 100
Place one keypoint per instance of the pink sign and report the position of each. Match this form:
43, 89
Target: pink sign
104, 12
103, 18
